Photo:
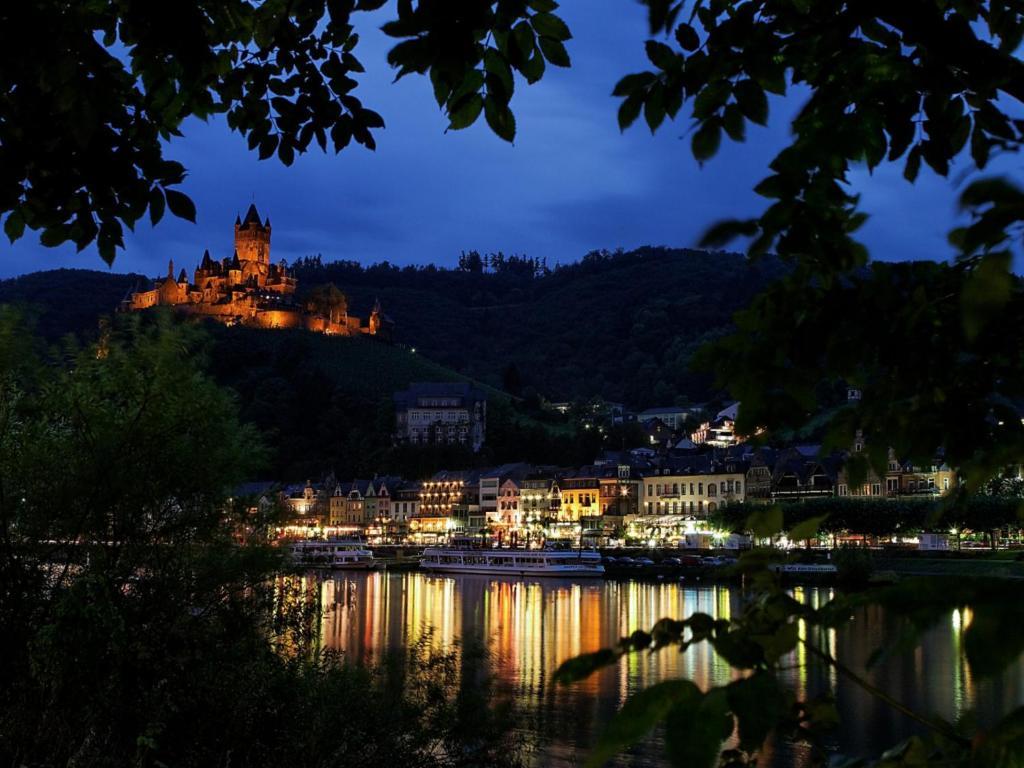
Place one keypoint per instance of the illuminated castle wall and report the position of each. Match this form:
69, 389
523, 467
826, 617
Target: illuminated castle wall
248, 289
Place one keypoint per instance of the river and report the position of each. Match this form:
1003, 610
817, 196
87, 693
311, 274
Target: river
530, 626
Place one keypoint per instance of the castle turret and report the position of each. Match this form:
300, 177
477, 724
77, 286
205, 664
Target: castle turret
252, 239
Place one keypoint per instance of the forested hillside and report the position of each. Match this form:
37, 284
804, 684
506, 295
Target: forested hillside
324, 403
67, 300
620, 325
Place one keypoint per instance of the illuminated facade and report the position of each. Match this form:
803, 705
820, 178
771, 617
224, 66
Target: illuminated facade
248, 289
449, 504
693, 489
441, 413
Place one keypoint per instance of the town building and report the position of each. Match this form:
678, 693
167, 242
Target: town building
500, 500
619, 495
449, 504
406, 502
438, 413
673, 417
307, 503
694, 486
247, 288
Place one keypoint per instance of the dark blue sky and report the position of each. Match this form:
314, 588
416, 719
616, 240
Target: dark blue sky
570, 183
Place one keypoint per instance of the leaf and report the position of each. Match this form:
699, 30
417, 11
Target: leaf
554, 52
629, 110
1003, 745
654, 107
994, 189
268, 146
465, 112
994, 639
156, 205
500, 118
549, 25
772, 187
523, 38
710, 98
986, 291
497, 65
733, 122
807, 529
723, 232
765, 522
706, 140
180, 205
687, 37
533, 68
661, 55
14, 226
54, 236
641, 712
757, 703
696, 728
584, 665
752, 101
286, 151
632, 83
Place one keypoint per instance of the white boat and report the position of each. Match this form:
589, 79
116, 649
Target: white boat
327, 553
807, 569
513, 562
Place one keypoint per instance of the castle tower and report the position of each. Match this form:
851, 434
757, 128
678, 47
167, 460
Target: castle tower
375, 318
252, 239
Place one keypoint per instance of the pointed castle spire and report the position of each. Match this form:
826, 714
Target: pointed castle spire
252, 216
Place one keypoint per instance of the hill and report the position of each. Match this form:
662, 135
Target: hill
66, 301
621, 325
324, 402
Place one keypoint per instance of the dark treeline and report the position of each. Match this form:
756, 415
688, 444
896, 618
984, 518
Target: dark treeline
623, 325
981, 514
324, 404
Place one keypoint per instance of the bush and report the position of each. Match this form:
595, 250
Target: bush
854, 565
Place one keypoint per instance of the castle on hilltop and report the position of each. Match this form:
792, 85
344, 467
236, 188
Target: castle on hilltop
248, 289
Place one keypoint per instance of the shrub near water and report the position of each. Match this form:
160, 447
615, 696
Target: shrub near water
135, 630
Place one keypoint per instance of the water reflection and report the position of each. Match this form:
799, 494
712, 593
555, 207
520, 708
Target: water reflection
530, 627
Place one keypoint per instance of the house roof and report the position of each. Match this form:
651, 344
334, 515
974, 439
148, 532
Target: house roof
418, 389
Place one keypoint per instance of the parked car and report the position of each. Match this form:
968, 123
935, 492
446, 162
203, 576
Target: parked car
644, 561
609, 560
672, 561
626, 561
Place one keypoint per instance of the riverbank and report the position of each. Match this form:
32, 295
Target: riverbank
975, 566
898, 564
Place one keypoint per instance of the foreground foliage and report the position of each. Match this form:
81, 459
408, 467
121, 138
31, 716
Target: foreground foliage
136, 631
732, 725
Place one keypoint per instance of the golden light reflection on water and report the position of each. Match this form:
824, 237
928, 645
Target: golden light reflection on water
530, 627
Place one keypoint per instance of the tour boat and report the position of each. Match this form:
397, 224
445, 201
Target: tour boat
513, 562
803, 569
325, 553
